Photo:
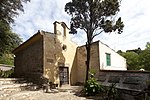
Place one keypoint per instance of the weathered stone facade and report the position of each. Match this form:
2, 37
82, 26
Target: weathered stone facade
29, 60
44, 53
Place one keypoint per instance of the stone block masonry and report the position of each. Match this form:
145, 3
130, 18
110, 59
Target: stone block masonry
130, 83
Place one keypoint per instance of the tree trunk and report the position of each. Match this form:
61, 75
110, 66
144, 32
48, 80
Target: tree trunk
88, 49
89, 41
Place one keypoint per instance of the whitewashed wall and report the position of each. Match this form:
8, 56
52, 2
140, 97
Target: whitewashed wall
117, 62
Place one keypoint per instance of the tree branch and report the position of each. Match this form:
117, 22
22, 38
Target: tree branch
96, 34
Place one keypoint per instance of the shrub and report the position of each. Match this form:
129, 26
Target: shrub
92, 87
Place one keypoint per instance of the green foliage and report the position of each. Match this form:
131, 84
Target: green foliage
6, 74
7, 59
9, 9
92, 87
94, 17
8, 42
8, 39
137, 58
132, 59
145, 57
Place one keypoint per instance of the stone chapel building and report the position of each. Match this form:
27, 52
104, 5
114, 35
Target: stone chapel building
55, 57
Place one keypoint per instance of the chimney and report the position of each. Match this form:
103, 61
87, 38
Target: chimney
60, 28
55, 27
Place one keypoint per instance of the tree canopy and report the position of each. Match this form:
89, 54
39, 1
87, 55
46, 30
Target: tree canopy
8, 39
8, 42
9, 9
137, 58
94, 17
132, 58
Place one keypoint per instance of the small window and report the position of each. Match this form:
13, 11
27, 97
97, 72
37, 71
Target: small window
64, 47
108, 59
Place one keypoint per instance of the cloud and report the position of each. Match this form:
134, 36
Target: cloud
135, 15
40, 15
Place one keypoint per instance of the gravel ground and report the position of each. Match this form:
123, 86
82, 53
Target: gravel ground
40, 95
65, 93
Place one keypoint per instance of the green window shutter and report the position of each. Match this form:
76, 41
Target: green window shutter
108, 59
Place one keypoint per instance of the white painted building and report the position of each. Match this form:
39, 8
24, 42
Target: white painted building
109, 59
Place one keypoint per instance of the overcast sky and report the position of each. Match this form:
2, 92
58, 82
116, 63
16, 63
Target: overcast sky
40, 15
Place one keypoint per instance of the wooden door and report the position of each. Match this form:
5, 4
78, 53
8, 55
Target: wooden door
64, 75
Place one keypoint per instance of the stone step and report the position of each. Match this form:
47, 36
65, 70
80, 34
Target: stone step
70, 88
2, 87
11, 80
10, 86
7, 90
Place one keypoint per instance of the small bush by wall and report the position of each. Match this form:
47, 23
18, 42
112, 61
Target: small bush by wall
92, 87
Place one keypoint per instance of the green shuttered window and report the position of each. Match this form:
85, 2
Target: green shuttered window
108, 59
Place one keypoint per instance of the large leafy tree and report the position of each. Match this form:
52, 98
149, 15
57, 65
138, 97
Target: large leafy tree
94, 17
8, 40
9, 9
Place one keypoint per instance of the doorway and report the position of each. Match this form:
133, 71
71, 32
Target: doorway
64, 75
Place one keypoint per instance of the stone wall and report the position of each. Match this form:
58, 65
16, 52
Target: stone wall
52, 55
29, 61
81, 59
129, 82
